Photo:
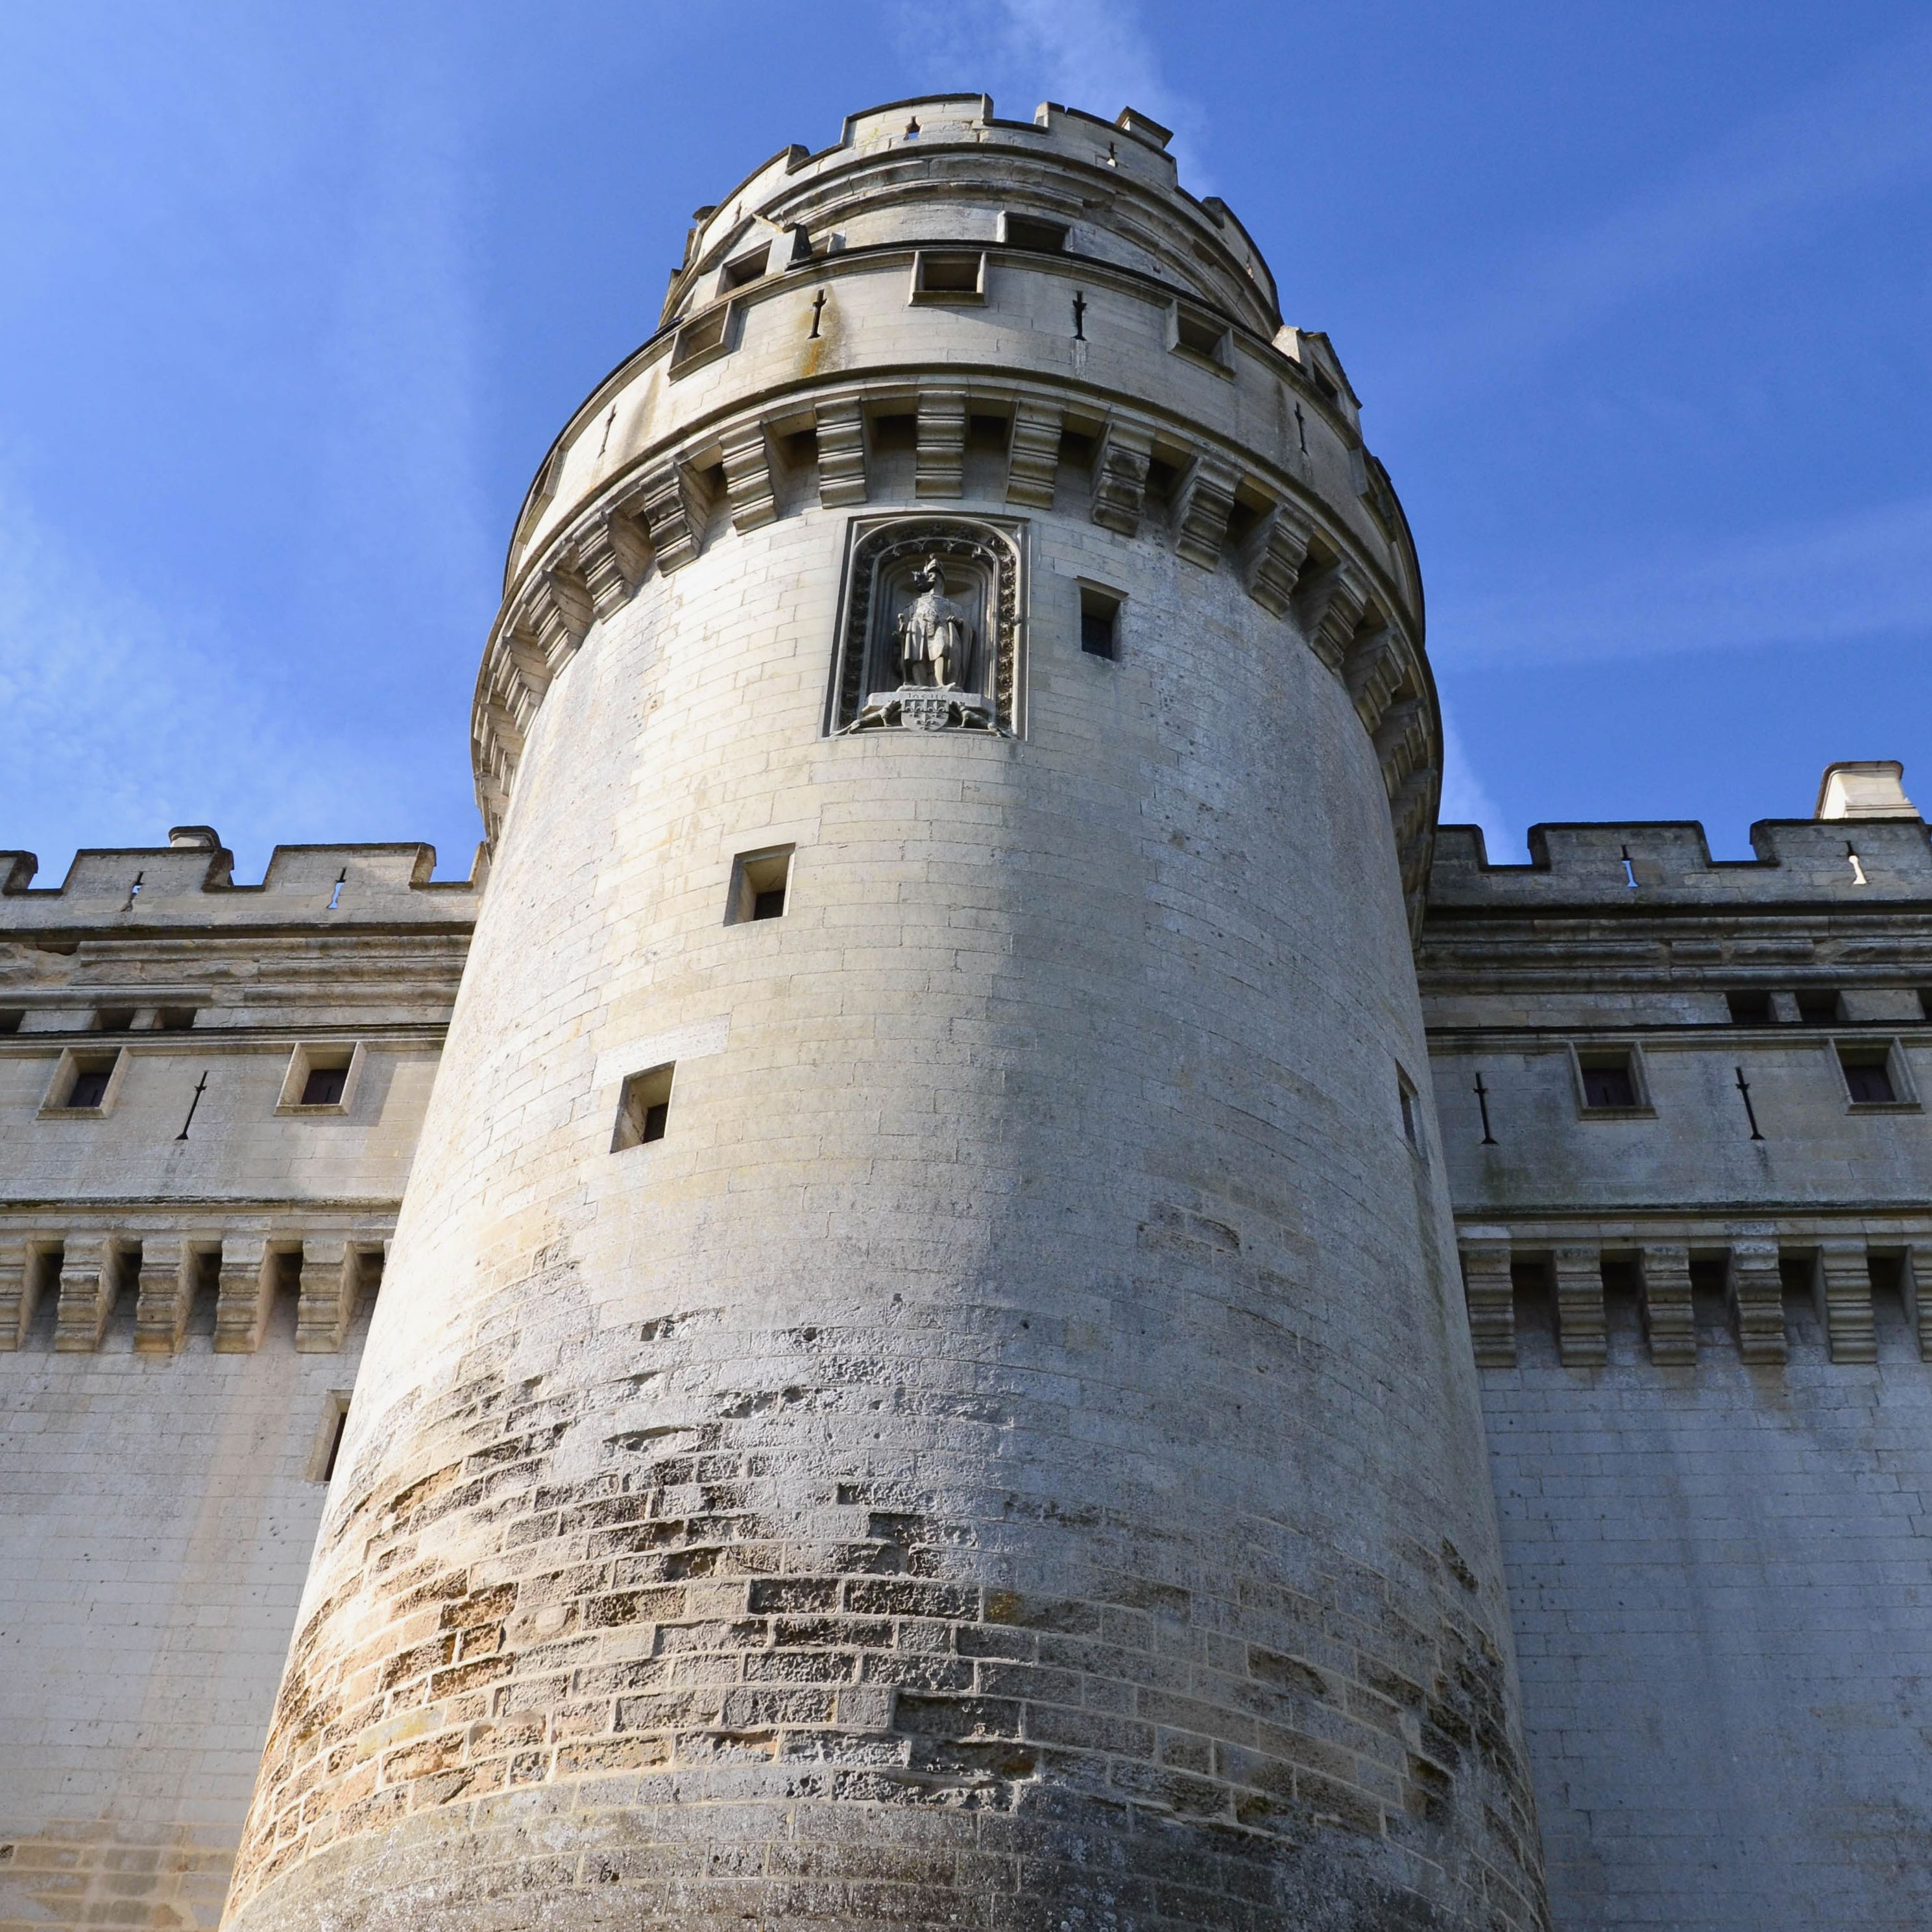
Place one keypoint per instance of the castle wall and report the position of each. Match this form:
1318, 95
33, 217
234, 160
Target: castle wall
1717, 1577
1707, 1369
159, 1515
188, 1261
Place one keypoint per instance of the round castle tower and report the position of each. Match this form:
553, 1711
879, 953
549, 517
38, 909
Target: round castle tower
922, 1380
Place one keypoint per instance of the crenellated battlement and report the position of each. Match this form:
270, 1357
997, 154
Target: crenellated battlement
192, 885
1641, 866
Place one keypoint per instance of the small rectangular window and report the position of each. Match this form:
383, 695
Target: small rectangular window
643, 1109
949, 275
330, 1430
1027, 231
11, 1019
320, 1078
1818, 1006
1197, 332
748, 267
323, 1087
1868, 1075
1750, 1007
760, 883
1608, 1080
701, 339
113, 1019
1100, 622
89, 1087
1412, 1124
1924, 1008
174, 1019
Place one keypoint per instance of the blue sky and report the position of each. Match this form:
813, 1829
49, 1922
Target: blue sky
1636, 295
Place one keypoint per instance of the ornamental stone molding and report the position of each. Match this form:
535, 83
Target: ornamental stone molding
1216, 508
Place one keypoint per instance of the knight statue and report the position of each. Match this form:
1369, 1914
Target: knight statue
935, 640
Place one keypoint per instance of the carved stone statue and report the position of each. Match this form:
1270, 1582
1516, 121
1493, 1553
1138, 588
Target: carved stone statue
935, 640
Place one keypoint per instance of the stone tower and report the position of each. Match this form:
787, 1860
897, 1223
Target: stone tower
922, 1379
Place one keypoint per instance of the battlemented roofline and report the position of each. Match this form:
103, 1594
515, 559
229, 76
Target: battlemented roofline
190, 884
1866, 843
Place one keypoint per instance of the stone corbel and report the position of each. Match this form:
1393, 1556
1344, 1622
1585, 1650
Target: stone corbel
1669, 1322
611, 560
1202, 506
90, 1272
1487, 1289
940, 465
1915, 1279
19, 1268
1120, 477
331, 1277
1330, 606
842, 454
1402, 743
749, 488
1843, 1285
248, 1281
1376, 667
1755, 1292
667, 501
523, 654
165, 1290
1408, 813
1033, 455
1275, 553
555, 609
1582, 1341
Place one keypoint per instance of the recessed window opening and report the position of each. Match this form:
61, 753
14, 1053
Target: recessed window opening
335, 1443
319, 1077
335, 894
1200, 334
1629, 870
1818, 1006
1924, 1008
1751, 1006
1100, 622
324, 1086
1868, 1075
895, 435
1323, 383
747, 268
89, 1087
949, 275
643, 1109
1858, 867
1027, 231
330, 1427
1608, 1080
12, 1018
912, 129
760, 882
174, 1019
113, 1019
700, 339
1411, 1125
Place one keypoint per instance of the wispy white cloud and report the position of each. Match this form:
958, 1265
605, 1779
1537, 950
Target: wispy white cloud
1096, 54
1860, 576
1466, 798
145, 721
1868, 127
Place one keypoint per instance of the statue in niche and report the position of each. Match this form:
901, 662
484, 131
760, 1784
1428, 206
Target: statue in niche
935, 640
